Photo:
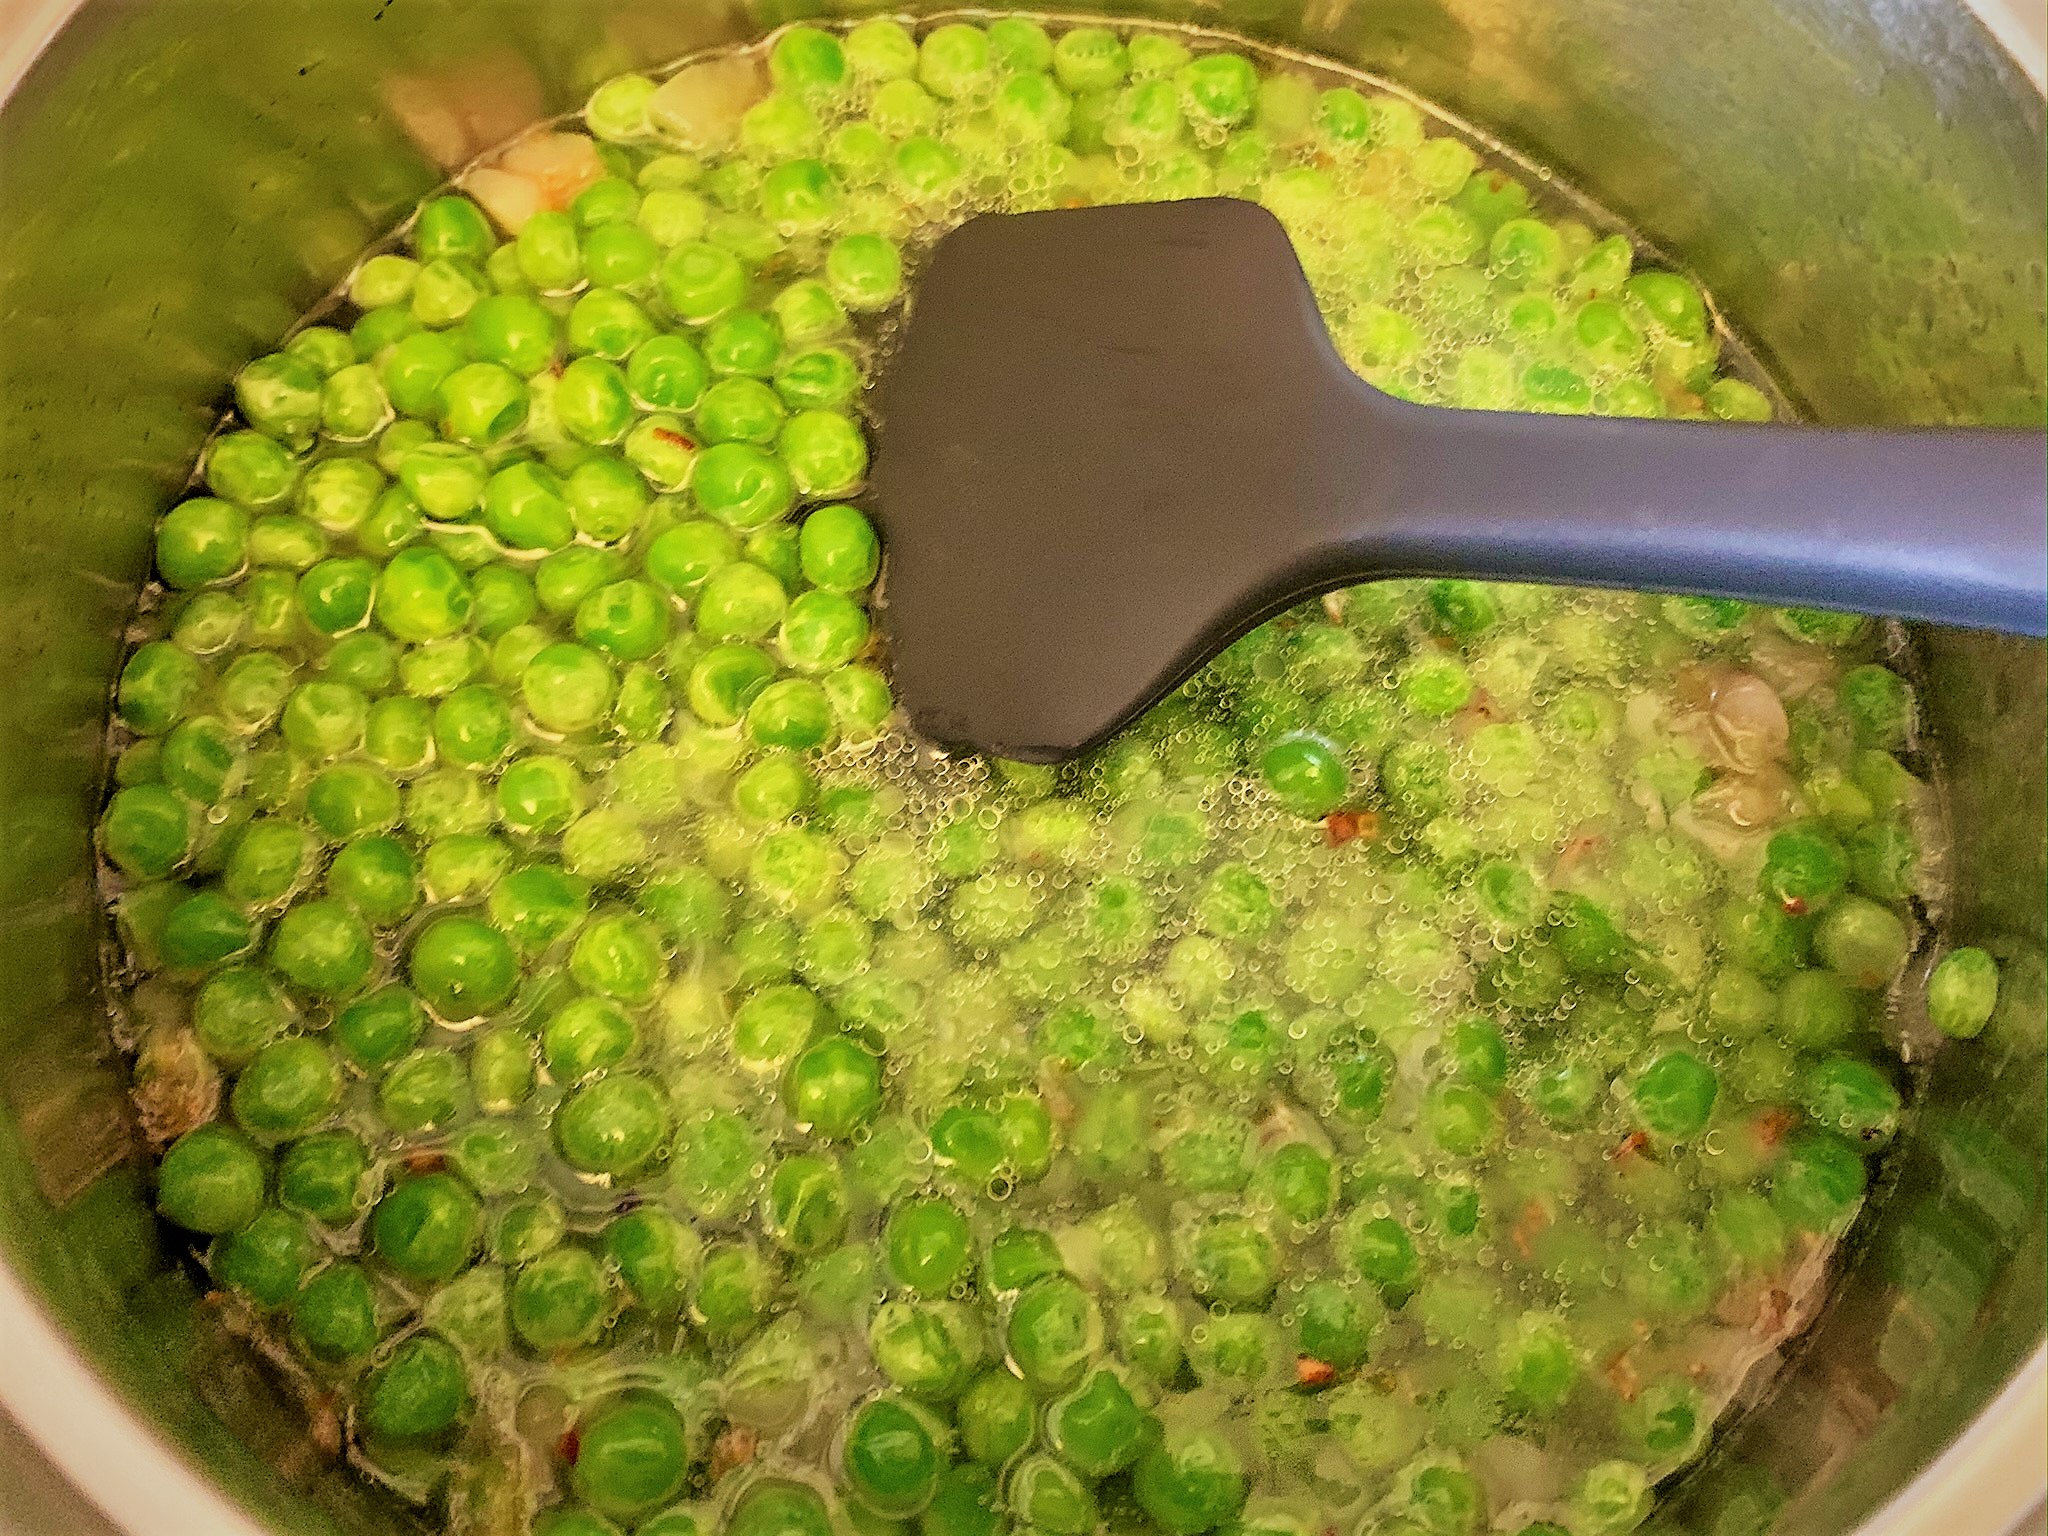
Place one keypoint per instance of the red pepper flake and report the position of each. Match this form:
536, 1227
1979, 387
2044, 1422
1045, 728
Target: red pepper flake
1772, 1126
1577, 849
1480, 709
1534, 1218
1341, 827
570, 1446
423, 1161
1621, 1375
1311, 1372
1631, 1144
674, 438
733, 1448
1795, 906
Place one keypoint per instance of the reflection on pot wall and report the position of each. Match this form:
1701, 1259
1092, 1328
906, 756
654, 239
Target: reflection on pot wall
179, 180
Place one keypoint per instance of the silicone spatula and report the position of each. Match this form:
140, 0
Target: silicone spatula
1112, 440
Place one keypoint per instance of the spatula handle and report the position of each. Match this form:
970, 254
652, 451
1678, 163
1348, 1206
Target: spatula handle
1948, 525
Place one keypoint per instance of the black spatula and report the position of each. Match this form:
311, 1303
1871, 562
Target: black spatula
1115, 439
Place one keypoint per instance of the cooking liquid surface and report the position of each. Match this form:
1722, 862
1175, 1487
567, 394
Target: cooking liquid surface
1406, 1083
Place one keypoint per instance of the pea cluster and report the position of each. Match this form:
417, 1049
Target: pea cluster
1392, 1087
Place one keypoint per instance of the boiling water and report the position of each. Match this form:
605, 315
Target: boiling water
1436, 1092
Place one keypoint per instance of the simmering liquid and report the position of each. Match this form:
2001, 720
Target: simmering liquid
1408, 1083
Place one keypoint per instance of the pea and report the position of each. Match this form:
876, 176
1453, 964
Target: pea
631, 1457
420, 1391
928, 1244
560, 1300
1190, 1482
1962, 992
891, 1459
335, 1316
427, 1227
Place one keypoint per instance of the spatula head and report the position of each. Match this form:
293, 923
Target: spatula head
1099, 453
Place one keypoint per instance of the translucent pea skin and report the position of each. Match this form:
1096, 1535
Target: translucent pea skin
552, 954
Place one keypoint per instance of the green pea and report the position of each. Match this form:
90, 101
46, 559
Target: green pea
1674, 1096
820, 378
211, 1180
322, 947
157, 686
928, 1245
550, 252
237, 1013
1612, 1497
927, 1349
631, 1457
202, 541
383, 326
1054, 1332
422, 595
267, 1260
657, 1258
1853, 1098
288, 1089
1804, 869
1863, 943
1234, 1261
1098, 1429
540, 794
608, 324
568, 688
776, 1507
463, 968
1962, 993
202, 931
805, 1212
419, 1392
794, 712
147, 831
426, 1091
209, 623
538, 905
834, 1087
733, 1291
379, 1028
667, 373
619, 955
586, 1036
1192, 1481
996, 1417
250, 470
612, 1126
1748, 1230
501, 1071
483, 404
376, 877
335, 1316
560, 1300
700, 282
742, 486
427, 1228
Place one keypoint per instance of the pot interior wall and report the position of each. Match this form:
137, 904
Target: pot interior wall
1862, 186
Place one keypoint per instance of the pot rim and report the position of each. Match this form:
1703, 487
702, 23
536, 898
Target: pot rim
1993, 1476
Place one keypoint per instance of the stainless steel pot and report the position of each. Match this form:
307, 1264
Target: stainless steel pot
1860, 181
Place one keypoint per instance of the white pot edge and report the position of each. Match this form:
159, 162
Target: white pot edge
95, 1437
2021, 27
